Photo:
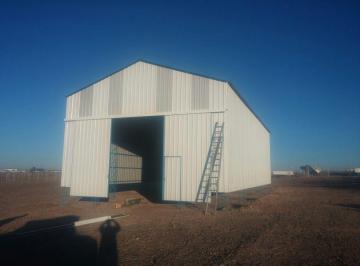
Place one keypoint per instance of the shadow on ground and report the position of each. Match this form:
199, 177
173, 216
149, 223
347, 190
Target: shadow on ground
9, 220
56, 242
240, 199
352, 183
355, 207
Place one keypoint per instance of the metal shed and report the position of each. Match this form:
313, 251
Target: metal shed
152, 125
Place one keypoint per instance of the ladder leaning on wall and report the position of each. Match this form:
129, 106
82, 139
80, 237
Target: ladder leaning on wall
209, 182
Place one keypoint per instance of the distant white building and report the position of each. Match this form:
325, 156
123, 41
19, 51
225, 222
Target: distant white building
356, 170
10, 170
317, 170
283, 173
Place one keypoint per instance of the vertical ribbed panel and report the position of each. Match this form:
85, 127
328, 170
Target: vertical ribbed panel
146, 89
116, 93
181, 92
68, 155
139, 94
68, 107
217, 98
173, 178
187, 141
164, 90
200, 93
100, 98
73, 106
86, 157
86, 102
248, 147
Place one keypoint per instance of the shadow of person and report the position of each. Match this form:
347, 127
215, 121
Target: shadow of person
108, 251
48, 242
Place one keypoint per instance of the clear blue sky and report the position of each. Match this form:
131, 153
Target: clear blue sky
296, 62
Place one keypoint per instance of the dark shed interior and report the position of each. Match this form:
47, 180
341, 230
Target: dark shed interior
143, 137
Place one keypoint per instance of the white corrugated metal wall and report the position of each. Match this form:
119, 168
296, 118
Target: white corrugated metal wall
86, 157
187, 139
191, 105
144, 89
248, 147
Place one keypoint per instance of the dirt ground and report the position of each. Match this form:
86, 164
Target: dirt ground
295, 221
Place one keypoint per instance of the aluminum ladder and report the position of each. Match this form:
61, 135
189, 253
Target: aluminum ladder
209, 182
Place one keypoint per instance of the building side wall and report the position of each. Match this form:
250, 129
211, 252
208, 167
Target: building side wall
186, 145
86, 157
68, 155
146, 89
247, 146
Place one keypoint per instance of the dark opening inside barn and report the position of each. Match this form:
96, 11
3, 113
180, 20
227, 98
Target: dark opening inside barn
136, 156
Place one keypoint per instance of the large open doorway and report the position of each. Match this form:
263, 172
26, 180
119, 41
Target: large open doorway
136, 156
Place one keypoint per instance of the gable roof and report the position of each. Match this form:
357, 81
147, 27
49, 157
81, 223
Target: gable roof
180, 70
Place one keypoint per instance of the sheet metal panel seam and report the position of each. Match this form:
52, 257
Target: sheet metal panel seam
143, 115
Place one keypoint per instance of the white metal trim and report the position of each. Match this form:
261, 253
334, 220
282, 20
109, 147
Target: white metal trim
146, 115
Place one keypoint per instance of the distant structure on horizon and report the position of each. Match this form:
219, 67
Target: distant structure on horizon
10, 170
356, 170
308, 170
31, 170
283, 173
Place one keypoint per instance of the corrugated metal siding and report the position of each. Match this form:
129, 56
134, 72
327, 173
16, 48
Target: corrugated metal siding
186, 144
73, 106
191, 106
68, 155
164, 89
86, 157
116, 93
247, 147
199, 93
86, 102
146, 89
100, 98
139, 89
